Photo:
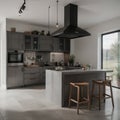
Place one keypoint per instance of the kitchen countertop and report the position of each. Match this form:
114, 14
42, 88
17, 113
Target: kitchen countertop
51, 67
80, 70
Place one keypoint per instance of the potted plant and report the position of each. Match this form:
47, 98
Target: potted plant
71, 60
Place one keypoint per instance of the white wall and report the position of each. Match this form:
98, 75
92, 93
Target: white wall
3, 51
87, 49
22, 26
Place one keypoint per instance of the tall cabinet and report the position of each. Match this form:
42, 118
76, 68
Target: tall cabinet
15, 41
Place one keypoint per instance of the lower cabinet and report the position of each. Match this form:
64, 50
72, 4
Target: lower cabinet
14, 76
18, 76
32, 76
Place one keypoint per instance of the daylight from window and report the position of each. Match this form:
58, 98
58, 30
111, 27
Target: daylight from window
111, 53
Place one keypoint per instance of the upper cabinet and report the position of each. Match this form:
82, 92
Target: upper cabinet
45, 43
38, 43
15, 41
21, 41
31, 42
61, 45
35, 42
28, 42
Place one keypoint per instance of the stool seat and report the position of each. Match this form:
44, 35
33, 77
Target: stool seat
79, 84
106, 82
102, 83
80, 99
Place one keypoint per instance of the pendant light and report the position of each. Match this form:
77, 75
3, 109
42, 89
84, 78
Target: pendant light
57, 25
48, 21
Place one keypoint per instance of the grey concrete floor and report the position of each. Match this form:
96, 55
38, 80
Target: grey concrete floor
30, 104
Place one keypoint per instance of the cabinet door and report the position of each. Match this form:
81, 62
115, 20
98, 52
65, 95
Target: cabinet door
9, 41
14, 76
11, 77
45, 43
21, 45
28, 42
19, 76
15, 41
35, 40
61, 44
56, 44
32, 76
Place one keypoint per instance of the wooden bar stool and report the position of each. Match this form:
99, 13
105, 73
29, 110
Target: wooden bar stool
80, 89
102, 83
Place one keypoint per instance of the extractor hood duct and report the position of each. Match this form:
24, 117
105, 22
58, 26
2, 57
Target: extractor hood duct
70, 29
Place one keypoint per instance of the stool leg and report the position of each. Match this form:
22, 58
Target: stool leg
78, 98
111, 95
99, 97
92, 92
70, 94
88, 96
81, 92
104, 92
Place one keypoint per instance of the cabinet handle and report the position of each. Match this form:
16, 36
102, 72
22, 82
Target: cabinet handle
33, 78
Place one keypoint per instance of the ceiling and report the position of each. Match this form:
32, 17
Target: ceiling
90, 12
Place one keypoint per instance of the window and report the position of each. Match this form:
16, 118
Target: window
110, 57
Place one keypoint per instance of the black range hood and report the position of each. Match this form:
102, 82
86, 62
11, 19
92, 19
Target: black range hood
70, 29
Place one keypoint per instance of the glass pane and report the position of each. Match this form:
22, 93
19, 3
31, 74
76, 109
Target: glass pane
111, 53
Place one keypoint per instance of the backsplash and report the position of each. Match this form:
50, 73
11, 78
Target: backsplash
56, 57
29, 58
36, 57
43, 57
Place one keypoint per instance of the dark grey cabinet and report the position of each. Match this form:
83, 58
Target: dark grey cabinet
45, 43
31, 42
28, 42
15, 40
61, 45
56, 47
32, 76
21, 41
35, 41
14, 76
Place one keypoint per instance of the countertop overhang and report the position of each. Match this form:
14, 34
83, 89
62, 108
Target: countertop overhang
80, 70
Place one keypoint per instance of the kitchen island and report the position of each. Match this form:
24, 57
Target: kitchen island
57, 82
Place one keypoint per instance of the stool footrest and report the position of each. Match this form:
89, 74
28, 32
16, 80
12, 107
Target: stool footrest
81, 102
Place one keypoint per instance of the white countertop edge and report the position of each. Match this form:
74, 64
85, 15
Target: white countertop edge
79, 70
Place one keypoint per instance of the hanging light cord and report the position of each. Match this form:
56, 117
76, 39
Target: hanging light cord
57, 25
49, 18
